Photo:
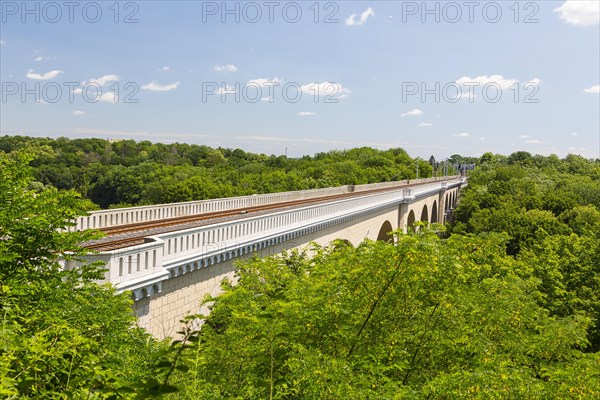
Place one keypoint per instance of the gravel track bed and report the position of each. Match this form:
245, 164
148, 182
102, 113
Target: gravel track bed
194, 224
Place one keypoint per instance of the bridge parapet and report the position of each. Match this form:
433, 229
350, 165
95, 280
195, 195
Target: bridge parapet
121, 216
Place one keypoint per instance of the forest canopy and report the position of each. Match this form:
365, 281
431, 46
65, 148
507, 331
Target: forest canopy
115, 173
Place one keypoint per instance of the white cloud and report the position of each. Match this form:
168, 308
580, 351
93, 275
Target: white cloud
103, 80
264, 82
425, 124
529, 140
352, 21
306, 113
412, 113
328, 89
43, 77
40, 58
574, 134
109, 97
156, 87
78, 113
580, 12
503, 82
461, 135
165, 68
593, 89
226, 68
465, 95
2, 42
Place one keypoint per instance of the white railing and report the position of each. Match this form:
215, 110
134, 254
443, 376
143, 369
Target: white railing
123, 216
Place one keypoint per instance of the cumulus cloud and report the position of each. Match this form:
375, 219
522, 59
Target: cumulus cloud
43, 77
109, 97
461, 135
412, 113
165, 68
78, 113
425, 124
41, 58
264, 82
103, 80
352, 20
483, 80
156, 87
306, 113
331, 90
529, 140
226, 68
580, 12
593, 89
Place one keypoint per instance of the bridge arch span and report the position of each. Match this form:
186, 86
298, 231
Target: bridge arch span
410, 220
384, 232
434, 212
425, 214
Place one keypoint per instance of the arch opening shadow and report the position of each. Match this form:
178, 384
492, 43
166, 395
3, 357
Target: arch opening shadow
434, 212
339, 244
383, 235
425, 214
410, 221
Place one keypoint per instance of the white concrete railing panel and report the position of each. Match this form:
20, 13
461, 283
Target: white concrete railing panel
122, 216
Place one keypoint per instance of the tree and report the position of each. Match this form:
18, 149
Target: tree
63, 335
421, 318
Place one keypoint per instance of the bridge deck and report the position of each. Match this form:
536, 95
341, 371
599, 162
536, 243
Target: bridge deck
127, 235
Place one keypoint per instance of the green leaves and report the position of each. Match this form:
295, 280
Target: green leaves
423, 317
62, 334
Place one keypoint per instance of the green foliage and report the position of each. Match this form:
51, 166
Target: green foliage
424, 318
63, 335
550, 209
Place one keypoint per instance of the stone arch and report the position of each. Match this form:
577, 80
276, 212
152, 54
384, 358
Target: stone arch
341, 243
425, 214
385, 229
410, 220
434, 212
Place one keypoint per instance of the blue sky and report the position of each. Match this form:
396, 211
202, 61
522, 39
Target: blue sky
432, 77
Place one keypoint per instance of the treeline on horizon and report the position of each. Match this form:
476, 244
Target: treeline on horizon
122, 173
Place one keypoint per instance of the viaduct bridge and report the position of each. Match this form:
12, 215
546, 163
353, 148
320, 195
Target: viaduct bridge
170, 256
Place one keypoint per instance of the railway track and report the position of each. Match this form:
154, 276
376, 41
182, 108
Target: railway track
174, 222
